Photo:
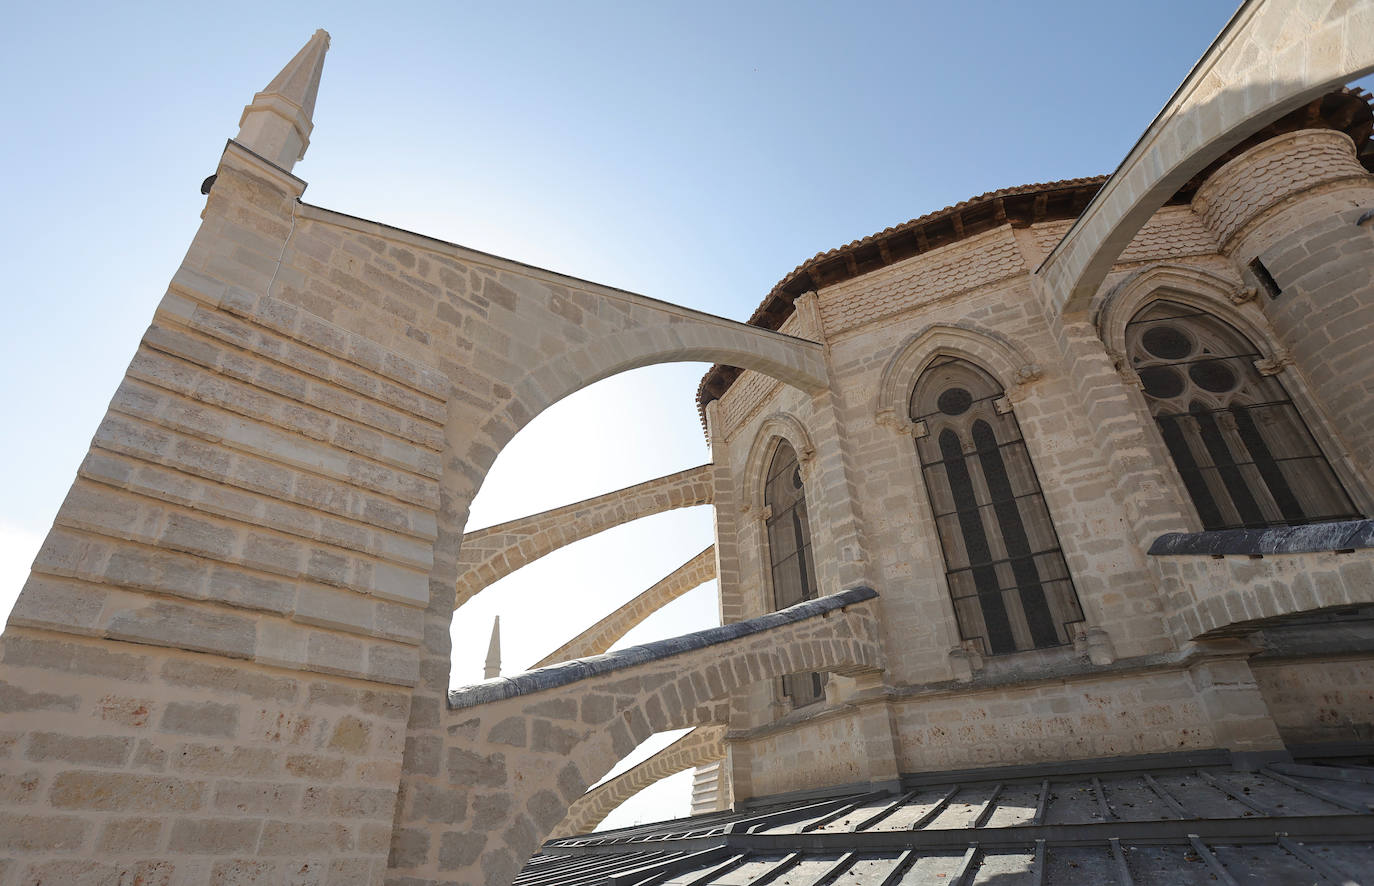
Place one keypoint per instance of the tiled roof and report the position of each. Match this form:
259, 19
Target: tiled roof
1347, 110
1184, 819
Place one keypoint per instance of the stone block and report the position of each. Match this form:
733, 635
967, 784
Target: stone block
70, 657
256, 797
182, 627
409, 848
229, 679
215, 836
226, 759
438, 803
459, 850
108, 751
95, 873
126, 836
14, 699
468, 769
207, 718
122, 792
315, 766
304, 838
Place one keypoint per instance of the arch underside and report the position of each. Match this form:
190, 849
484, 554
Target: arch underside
704, 744
601, 636
1232, 91
491, 554
564, 727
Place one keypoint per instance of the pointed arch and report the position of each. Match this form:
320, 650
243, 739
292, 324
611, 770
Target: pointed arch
704, 744
1226, 297
1227, 300
787, 543
778, 426
1011, 363
692, 338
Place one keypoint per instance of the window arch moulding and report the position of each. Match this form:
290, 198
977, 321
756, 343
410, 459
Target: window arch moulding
776, 427
1010, 363
1224, 296
779, 476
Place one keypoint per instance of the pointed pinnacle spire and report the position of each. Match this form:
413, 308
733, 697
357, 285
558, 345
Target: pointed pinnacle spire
493, 668
277, 124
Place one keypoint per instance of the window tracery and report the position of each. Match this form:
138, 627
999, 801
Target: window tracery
1006, 574
1244, 453
792, 565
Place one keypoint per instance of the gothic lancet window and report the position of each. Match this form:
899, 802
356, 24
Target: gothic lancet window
792, 567
1006, 573
1244, 453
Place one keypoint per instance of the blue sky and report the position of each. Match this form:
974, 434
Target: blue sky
693, 152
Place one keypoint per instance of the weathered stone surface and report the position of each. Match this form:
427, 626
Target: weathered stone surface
559, 675
200, 718
233, 648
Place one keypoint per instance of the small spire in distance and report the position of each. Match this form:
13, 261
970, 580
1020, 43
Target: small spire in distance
493, 668
277, 124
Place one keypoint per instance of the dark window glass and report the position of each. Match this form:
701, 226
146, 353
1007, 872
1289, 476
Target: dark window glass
1266, 279
1005, 571
789, 553
1246, 457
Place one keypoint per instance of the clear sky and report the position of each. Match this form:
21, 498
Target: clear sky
693, 152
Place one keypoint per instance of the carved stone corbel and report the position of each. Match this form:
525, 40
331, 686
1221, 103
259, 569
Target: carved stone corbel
1128, 375
1242, 294
1275, 364
890, 418
1028, 373
1096, 644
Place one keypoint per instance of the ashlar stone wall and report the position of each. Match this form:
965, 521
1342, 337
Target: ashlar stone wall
1294, 203
1107, 478
515, 754
237, 630
1320, 701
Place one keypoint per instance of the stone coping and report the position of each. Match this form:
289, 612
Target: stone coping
1345, 535
568, 672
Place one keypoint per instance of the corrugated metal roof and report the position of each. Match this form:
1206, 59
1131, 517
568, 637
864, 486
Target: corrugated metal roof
1166, 824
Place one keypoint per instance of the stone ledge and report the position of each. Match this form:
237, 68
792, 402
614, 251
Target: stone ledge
569, 672
1345, 535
